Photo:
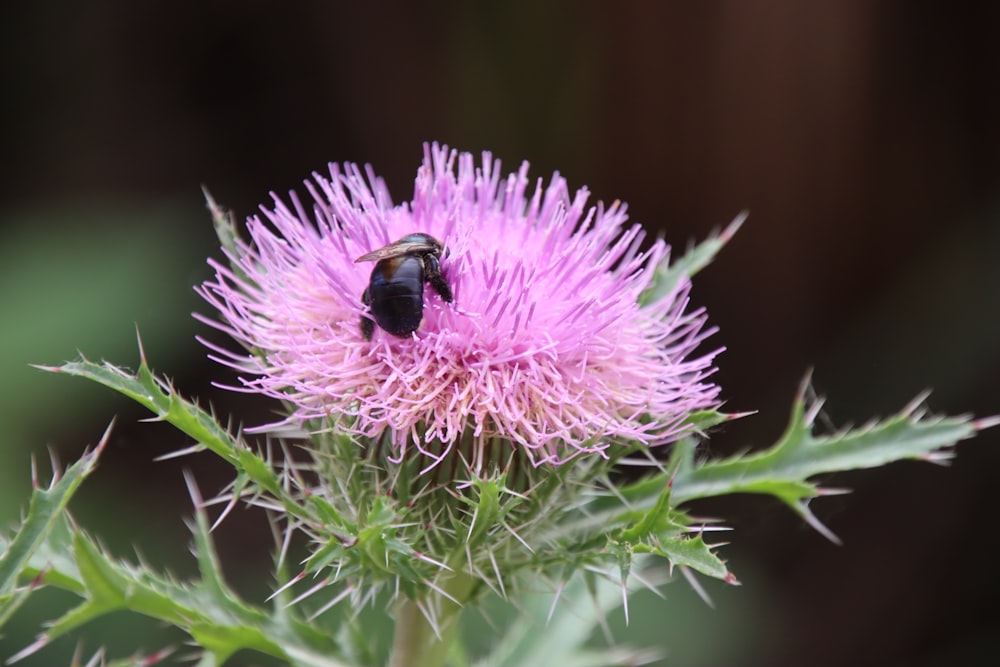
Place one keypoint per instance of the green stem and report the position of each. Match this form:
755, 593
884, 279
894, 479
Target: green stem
415, 642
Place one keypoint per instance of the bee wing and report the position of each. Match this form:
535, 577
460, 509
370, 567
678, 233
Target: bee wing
397, 249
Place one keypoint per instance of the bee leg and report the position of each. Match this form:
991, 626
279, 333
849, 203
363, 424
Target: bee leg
432, 274
367, 324
367, 328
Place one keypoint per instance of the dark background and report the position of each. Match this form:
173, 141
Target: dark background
864, 138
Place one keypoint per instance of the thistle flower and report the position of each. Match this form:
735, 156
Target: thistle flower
546, 346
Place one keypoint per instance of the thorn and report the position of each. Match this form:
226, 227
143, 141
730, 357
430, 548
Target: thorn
496, 571
294, 580
916, 403
104, 439
142, 351
443, 593
625, 600
555, 601
159, 656
599, 616
193, 449
77, 652
285, 542
803, 510
942, 458
56, 468
155, 419
651, 586
47, 369
804, 386
702, 528
731, 579
472, 524
644, 462
512, 492
430, 617
696, 585
673, 475
193, 491
318, 587
734, 226
332, 603
225, 512
428, 559
986, 422
517, 537
813, 411
210, 202
97, 659
28, 650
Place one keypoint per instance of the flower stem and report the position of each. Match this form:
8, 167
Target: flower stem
416, 642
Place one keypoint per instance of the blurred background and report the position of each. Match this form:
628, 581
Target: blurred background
864, 138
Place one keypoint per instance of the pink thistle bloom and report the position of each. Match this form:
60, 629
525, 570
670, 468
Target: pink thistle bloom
546, 345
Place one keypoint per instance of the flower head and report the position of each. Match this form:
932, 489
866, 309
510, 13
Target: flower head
546, 344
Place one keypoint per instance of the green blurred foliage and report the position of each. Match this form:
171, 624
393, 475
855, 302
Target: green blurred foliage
82, 279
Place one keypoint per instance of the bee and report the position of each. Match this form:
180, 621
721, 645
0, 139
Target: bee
395, 292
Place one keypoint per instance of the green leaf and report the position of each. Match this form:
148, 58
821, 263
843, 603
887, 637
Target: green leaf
691, 552
208, 610
656, 519
44, 509
669, 274
162, 399
661, 531
785, 470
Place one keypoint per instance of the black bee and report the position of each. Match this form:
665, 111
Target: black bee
395, 291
